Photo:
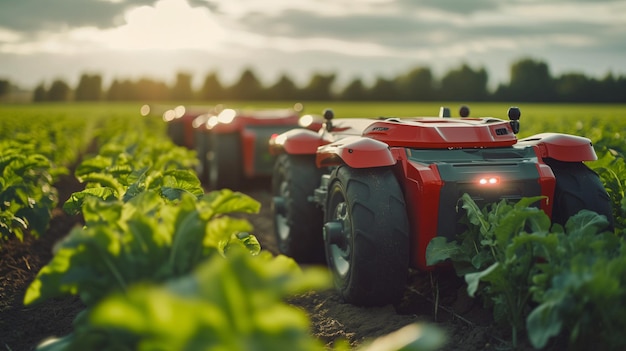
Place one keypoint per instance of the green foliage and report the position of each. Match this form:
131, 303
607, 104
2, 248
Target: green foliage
26, 193
581, 287
498, 250
147, 238
227, 303
576, 276
129, 164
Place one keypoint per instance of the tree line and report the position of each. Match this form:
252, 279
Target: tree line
530, 81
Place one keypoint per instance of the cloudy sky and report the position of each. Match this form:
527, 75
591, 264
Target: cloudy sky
42, 40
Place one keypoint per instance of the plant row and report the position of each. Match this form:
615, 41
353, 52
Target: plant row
557, 285
160, 265
33, 155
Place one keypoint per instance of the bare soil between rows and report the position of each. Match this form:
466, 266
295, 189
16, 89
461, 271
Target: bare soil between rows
437, 298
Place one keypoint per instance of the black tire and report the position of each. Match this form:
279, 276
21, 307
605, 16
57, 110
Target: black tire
225, 162
297, 220
366, 235
578, 188
176, 132
202, 146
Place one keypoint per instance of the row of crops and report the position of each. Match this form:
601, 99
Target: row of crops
159, 264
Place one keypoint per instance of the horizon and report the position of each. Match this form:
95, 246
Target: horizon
132, 39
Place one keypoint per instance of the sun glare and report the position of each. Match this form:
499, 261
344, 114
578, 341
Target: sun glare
169, 24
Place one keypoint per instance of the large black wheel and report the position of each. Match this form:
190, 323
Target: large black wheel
578, 188
225, 162
366, 235
176, 132
297, 220
202, 146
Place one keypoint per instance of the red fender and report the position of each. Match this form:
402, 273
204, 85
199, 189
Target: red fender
298, 141
562, 147
356, 152
248, 139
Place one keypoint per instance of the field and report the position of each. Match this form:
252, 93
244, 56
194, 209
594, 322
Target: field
438, 299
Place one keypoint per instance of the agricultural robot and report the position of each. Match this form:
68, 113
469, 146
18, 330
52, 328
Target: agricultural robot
232, 144
368, 195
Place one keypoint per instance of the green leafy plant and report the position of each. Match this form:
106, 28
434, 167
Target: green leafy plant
497, 255
127, 165
575, 276
581, 287
227, 303
26, 193
145, 239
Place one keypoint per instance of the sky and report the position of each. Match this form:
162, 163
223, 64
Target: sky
43, 40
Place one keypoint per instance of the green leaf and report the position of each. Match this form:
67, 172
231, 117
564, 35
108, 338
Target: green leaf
222, 230
226, 201
103, 180
99, 212
413, 337
439, 250
248, 240
473, 279
544, 322
96, 164
187, 241
74, 204
586, 222
474, 214
177, 181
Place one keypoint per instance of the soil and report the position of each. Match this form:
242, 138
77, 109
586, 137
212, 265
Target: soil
438, 298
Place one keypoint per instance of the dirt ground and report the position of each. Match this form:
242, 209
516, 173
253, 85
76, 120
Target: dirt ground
438, 298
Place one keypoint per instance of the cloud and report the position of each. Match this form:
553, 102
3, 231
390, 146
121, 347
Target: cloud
28, 16
374, 36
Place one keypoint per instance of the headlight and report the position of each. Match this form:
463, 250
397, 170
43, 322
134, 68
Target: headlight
305, 121
490, 180
212, 122
226, 116
180, 111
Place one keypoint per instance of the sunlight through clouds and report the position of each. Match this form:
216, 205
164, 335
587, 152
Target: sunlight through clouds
159, 37
169, 25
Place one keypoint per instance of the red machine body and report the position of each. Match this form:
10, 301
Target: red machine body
426, 154
231, 144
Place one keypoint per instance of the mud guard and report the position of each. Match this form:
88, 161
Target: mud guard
562, 147
356, 152
298, 141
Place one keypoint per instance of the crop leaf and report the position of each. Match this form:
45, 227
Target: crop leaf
74, 204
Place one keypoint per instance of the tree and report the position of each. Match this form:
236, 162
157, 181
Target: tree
417, 85
609, 89
5, 86
89, 88
212, 88
182, 91
319, 88
464, 84
573, 87
355, 91
59, 91
120, 90
247, 88
39, 94
147, 89
531, 81
385, 90
283, 89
